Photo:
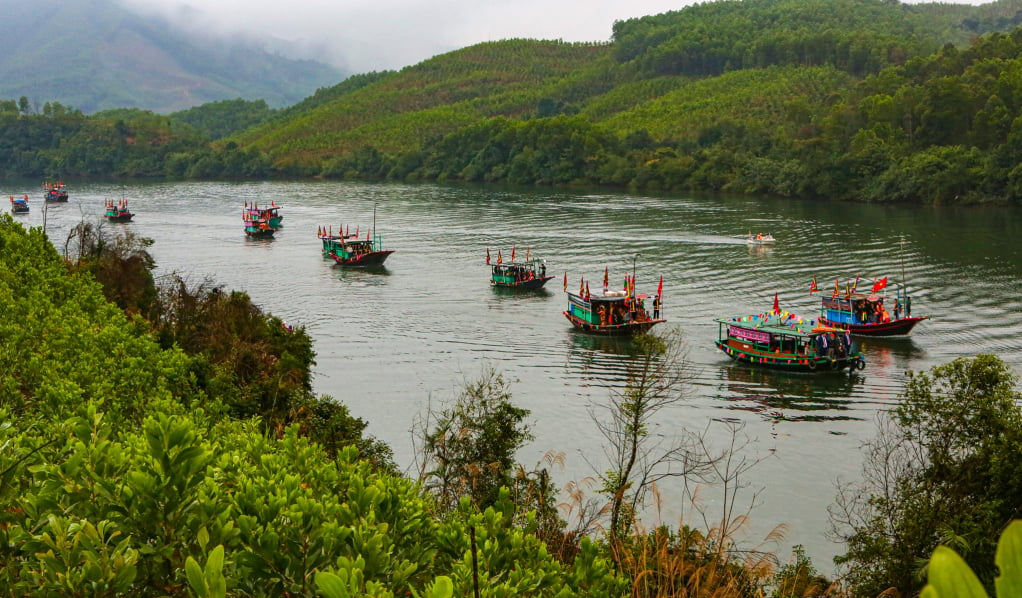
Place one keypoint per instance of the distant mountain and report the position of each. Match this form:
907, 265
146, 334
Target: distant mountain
95, 55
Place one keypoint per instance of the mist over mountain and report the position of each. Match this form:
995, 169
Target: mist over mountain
95, 55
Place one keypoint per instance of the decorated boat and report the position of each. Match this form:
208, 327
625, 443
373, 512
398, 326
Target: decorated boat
868, 314
19, 206
612, 312
352, 250
781, 340
117, 211
527, 274
55, 191
270, 215
257, 226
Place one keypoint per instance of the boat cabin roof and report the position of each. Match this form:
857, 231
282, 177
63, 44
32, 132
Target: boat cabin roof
616, 297
872, 297
783, 323
523, 264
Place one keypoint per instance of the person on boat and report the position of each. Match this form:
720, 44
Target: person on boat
848, 342
542, 270
656, 307
759, 236
821, 345
897, 309
908, 307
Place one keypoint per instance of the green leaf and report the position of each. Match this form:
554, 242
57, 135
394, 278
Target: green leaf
331, 586
1009, 561
215, 564
950, 577
443, 587
195, 578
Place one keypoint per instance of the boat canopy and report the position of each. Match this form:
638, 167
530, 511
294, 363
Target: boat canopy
777, 324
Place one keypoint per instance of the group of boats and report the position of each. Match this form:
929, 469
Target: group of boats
52, 192
774, 339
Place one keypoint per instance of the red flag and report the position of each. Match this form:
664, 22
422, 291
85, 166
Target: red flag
512, 253
606, 276
487, 256
587, 291
880, 284
837, 289
813, 288
581, 286
500, 260
660, 288
777, 304
565, 281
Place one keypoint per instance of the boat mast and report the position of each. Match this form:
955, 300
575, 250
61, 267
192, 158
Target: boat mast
902, 255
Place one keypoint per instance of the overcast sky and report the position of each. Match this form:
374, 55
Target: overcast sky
371, 35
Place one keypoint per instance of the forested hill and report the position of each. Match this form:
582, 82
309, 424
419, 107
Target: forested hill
96, 54
870, 100
762, 96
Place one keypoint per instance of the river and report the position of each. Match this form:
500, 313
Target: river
391, 342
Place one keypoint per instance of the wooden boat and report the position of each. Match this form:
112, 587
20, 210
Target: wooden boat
118, 211
55, 191
783, 341
256, 227
611, 312
523, 275
352, 250
19, 206
865, 314
760, 239
270, 215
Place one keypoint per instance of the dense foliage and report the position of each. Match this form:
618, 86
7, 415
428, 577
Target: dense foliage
122, 473
946, 468
869, 100
227, 117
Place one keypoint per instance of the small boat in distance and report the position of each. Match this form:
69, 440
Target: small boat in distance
784, 341
612, 312
865, 314
525, 275
256, 226
270, 215
118, 211
19, 206
55, 191
352, 250
759, 239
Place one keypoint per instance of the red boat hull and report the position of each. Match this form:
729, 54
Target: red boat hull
899, 327
626, 329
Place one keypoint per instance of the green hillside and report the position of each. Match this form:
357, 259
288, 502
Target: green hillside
713, 90
869, 100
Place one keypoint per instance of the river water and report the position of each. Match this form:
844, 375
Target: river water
390, 342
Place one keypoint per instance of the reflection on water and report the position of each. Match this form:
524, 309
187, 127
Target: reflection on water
789, 396
524, 294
